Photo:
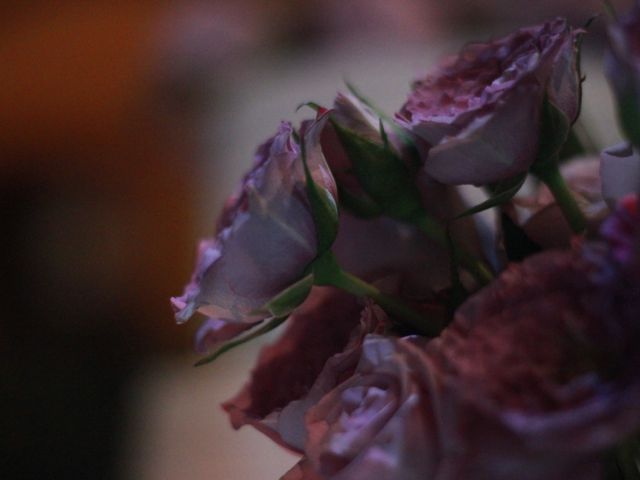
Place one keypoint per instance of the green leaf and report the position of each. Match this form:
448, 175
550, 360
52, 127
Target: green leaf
290, 298
382, 175
501, 193
554, 131
265, 328
323, 205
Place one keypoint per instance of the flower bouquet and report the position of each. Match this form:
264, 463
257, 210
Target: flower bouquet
429, 335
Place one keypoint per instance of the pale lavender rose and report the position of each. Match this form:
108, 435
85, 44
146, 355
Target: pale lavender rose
620, 171
479, 112
381, 423
622, 66
265, 239
319, 349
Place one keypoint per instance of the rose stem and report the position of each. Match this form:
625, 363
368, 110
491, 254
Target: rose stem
391, 305
328, 272
475, 266
552, 178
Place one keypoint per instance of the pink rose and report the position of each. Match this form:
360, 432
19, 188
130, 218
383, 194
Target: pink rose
480, 111
622, 66
319, 349
265, 239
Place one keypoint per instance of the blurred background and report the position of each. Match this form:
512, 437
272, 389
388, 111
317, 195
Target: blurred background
123, 127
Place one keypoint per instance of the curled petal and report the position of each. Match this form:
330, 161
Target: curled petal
318, 350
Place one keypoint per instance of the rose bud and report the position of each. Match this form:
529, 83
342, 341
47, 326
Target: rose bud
320, 348
266, 236
622, 67
479, 112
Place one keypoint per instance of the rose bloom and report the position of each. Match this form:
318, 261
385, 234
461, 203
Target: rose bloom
479, 112
265, 239
380, 423
318, 350
622, 66
535, 379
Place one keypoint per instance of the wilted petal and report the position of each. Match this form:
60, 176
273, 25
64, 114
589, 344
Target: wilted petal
320, 348
479, 111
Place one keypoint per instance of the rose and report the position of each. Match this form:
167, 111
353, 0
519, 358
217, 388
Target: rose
622, 67
540, 368
480, 112
377, 424
319, 349
369, 224
265, 239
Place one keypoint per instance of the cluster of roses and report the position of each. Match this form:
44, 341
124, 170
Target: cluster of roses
422, 340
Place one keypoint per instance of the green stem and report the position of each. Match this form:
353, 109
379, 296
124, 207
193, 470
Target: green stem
436, 232
328, 272
552, 178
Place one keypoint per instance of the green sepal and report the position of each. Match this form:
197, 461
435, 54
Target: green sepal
554, 131
360, 205
316, 107
290, 298
265, 328
501, 193
323, 206
400, 132
382, 174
